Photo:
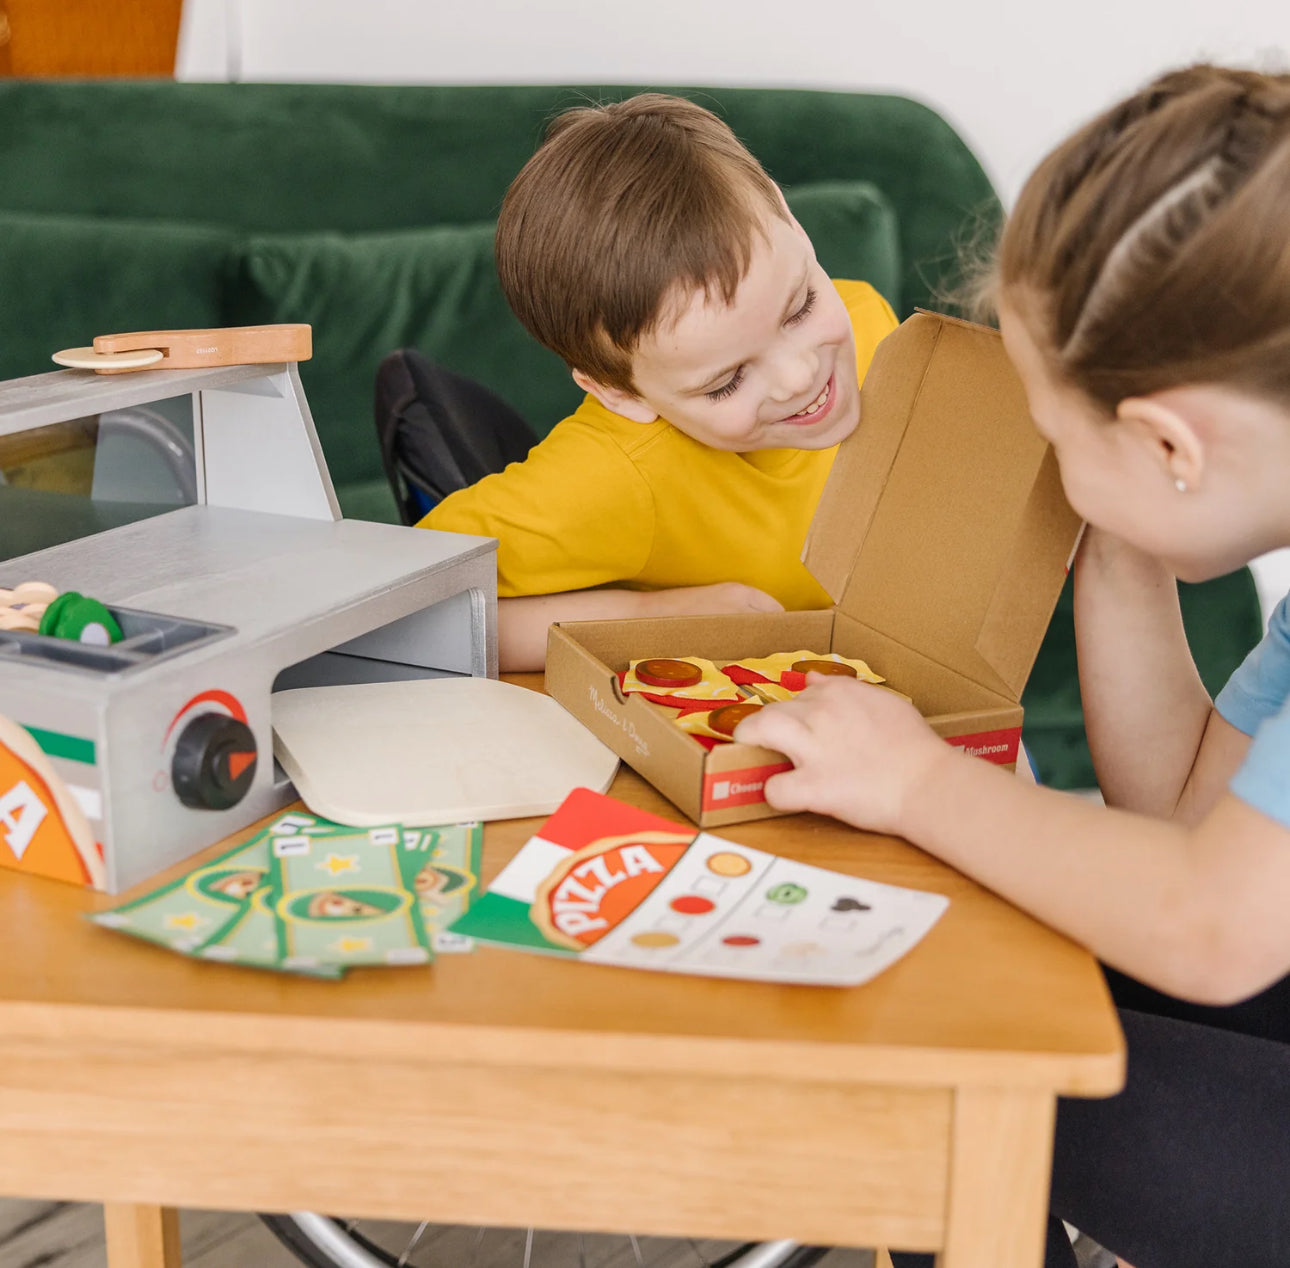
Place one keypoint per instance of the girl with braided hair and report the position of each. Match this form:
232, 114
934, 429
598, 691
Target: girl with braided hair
1143, 289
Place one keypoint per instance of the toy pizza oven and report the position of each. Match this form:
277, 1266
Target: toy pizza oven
119, 760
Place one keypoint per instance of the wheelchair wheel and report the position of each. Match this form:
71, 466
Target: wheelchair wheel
320, 1241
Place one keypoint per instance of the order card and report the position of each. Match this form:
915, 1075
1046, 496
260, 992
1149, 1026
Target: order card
610, 884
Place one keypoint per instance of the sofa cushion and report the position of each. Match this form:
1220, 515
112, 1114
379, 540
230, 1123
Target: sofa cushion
854, 231
65, 279
360, 157
366, 294
436, 289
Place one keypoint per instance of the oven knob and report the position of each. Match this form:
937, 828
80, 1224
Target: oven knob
214, 762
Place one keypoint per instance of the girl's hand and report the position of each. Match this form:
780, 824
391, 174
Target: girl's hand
860, 753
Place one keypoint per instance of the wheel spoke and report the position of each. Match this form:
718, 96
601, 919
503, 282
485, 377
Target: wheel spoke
354, 1243
412, 1245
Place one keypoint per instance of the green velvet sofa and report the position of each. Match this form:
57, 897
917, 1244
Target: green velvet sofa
368, 211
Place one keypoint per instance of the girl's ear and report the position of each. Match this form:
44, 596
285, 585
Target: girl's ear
616, 400
1168, 431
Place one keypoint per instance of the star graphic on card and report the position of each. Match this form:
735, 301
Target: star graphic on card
337, 863
352, 944
186, 920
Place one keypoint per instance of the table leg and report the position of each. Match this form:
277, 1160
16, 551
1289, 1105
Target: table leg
999, 1172
141, 1236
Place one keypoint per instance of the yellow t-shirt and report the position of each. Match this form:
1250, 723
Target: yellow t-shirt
607, 501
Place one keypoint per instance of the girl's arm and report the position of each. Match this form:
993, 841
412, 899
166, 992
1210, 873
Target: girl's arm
1222, 750
1197, 912
1146, 710
522, 623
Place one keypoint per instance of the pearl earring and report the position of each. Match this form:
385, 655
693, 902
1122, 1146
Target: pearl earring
1180, 485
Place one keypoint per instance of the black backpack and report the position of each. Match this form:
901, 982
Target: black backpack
440, 431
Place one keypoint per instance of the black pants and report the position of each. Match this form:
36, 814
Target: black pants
1189, 1167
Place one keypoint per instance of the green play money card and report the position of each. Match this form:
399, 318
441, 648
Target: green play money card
309, 896
446, 879
220, 911
196, 908
347, 897
251, 937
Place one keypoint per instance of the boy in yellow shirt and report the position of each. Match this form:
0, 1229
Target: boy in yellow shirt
648, 248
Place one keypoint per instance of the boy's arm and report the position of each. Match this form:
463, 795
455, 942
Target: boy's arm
1146, 710
574, 515
522, 623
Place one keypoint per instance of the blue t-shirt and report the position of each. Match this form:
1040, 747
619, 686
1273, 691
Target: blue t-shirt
1256, 700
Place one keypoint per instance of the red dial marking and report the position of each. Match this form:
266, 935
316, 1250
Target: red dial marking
740, 940
224, 699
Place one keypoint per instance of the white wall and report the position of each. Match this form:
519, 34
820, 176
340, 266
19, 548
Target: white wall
1014, 76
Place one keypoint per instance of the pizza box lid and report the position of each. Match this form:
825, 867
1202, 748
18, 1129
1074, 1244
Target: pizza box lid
943, 524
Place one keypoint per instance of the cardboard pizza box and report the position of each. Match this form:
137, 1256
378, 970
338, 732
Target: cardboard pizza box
943, 537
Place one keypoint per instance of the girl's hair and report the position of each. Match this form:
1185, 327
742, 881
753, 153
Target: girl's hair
1153, 246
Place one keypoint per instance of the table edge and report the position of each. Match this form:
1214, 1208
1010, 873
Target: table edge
1090, 1073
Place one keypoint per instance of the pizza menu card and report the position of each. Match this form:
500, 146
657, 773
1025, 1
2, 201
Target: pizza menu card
607, 883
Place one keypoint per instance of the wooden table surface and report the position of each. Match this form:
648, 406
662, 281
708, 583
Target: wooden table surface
505, 1088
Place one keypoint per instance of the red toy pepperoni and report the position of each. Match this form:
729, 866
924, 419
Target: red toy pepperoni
725, 719
740, 940
692, 905
824, 667
668, 673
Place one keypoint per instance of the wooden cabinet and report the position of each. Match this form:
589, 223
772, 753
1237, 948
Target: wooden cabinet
88, 37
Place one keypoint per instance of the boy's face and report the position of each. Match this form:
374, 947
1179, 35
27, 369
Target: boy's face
775, 369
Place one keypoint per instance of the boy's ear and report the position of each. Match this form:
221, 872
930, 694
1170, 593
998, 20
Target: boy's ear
616, 400
1170, 433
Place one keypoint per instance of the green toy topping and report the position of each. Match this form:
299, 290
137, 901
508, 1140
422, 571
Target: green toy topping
82, 619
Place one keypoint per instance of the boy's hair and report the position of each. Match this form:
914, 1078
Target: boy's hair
1156, 240
622, 204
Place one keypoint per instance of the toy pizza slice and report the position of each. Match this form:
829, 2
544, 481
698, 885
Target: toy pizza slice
42, 828
789, 669
664, 678
592, 890
719, 723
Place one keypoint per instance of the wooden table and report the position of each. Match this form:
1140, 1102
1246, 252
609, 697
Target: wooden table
503, 1088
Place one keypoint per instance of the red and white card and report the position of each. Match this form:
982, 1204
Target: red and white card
610, 884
